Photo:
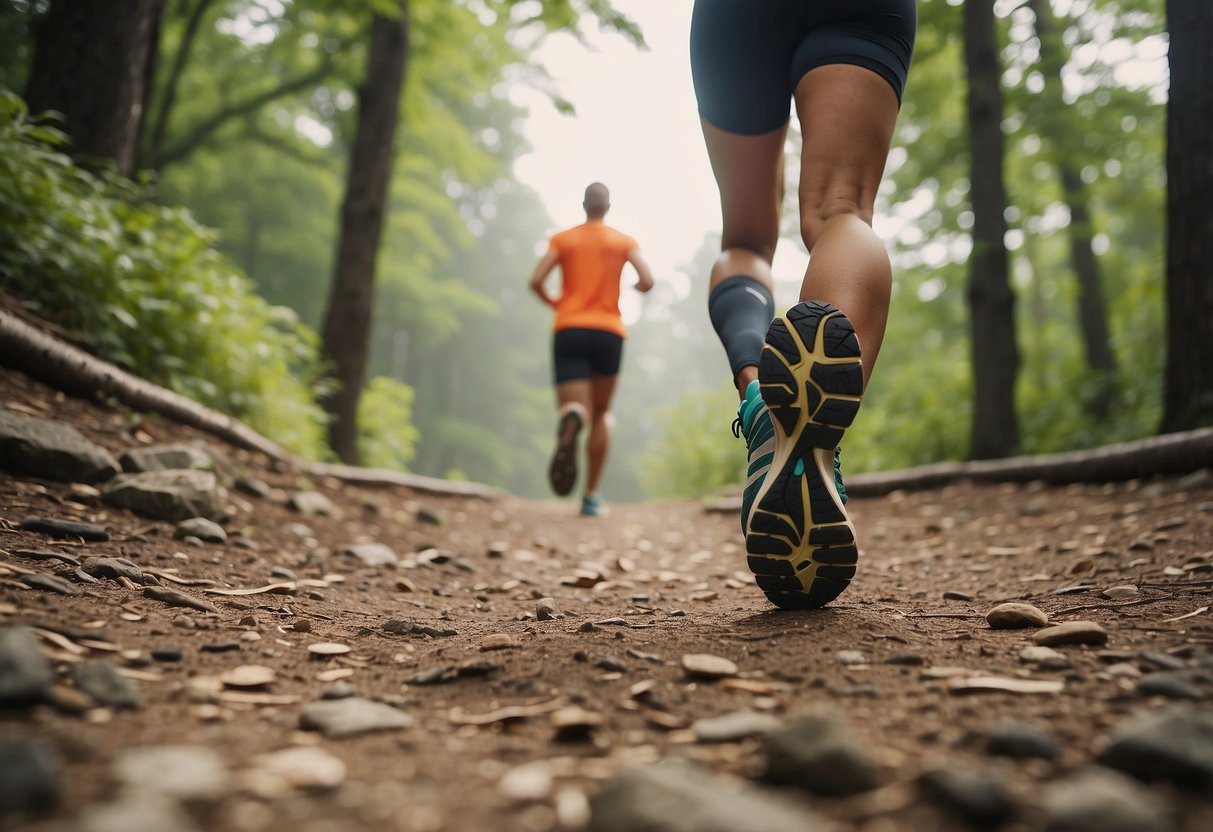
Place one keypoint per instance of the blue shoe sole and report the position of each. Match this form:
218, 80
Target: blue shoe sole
801, 544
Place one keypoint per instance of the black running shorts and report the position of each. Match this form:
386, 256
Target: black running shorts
580, 353
747, 56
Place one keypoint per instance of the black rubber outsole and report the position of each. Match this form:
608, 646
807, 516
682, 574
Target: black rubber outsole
801, 546
562, 471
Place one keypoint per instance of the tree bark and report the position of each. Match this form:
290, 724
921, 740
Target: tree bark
1067, 149
154, 144
995, 428
90, 64
347, 321
1188, 391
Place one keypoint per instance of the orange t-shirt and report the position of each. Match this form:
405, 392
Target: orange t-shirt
591, 257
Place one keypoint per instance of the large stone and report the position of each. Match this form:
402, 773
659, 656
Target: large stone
1014, 616
172, 457
311, 504
101, 680
25, 674
679, 797
167, 495
29, 776
1020, 741
818, 753
51, 451
980, 798
1098, 800
187, 773
349, 717
137, 812
1172, 744
1072, 632
208, 531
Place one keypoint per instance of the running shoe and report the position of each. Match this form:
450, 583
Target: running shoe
754, 422
591, 506
562, 472
800, 542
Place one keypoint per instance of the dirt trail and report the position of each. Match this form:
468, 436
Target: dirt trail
493, 743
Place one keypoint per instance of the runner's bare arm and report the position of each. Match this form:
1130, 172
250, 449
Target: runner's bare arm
542, 269
643, 272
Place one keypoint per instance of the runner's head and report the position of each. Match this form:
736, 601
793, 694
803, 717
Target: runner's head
597, 201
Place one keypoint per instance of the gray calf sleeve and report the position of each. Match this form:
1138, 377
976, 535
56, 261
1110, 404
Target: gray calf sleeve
741, 309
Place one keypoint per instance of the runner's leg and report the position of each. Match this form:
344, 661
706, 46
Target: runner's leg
847, 115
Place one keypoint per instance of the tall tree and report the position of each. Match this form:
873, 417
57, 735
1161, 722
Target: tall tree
91, 63
1057, 127
351, 300
1188, 393
995, 429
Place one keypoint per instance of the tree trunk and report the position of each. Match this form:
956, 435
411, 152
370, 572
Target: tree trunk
995, 429
1066, 142
1188, 394
90, 63
347, 321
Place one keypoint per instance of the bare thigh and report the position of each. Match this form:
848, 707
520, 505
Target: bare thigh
847, 115
602, 389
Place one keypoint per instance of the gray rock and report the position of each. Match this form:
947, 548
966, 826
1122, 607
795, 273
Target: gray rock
1162, 661
51, 451
978, 797
850, 657
1173, 744
112, 568
65, 529
1170, 685
818, 753
1020, 741
1046, 658
137, 812
738, 725
29, 776
101, 680
311, 504
679, 797
1098, 800
252, 487
546, 610
167, 495
208, 531
1013, 616
25, 674
348, 717
186, 773
371, 554
340, 690
1072, 632
174, 457
50, 583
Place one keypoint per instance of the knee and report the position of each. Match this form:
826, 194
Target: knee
817, 212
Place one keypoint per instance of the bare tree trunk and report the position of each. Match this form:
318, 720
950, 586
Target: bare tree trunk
995, 429
1066, 142
90, 63
1188, 394
347, 321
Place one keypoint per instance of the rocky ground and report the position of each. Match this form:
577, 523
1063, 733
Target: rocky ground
328, 657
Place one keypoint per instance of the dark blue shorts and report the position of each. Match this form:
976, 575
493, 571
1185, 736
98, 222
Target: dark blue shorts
581, 353
747, 56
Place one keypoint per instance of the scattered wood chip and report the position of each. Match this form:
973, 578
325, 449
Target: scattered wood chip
1000, 684
509, 713
284, 588
328, 648
1192, 614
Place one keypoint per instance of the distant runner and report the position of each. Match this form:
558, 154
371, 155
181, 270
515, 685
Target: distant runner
799, 376
588, 345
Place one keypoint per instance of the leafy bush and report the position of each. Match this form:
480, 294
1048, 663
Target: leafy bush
144, 287
695, 454
386, 435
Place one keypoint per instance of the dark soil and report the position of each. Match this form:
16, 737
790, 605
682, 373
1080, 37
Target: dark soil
663, 580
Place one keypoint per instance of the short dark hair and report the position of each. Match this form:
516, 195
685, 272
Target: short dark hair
597, 199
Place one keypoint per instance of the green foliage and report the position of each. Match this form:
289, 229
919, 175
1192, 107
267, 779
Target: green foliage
146, 289
695, 453
387, 437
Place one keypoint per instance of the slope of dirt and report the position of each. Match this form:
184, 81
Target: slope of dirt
633, 592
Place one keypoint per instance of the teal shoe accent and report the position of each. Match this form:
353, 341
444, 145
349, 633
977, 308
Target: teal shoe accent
842, 489
754, 421
591, 506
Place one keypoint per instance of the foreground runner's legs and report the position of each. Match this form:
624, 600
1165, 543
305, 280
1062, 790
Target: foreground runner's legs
801, 543
602, 388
